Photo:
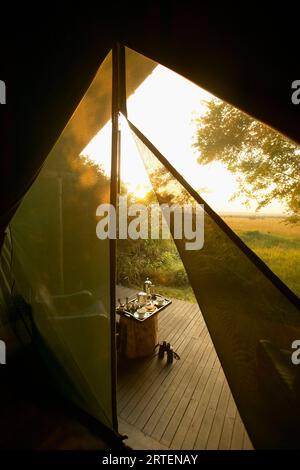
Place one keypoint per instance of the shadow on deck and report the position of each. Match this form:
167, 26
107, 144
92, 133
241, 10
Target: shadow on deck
186, 405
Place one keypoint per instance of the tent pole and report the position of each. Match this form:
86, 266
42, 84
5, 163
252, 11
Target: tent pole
122, 106
119, 163
112, 242
61, 231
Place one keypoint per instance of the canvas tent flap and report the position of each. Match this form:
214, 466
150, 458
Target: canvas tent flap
60, 266
246, 313
52, 257
25, 160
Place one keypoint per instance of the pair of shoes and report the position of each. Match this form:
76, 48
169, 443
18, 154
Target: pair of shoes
166, 347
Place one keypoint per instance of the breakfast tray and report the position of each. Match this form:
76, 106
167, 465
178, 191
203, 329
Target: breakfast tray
147, 315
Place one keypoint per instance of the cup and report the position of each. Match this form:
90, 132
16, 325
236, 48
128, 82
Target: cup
142, 298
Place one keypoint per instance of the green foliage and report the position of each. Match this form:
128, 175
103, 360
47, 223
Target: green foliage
158, 259
280, 253
267, 164
267, 240
183, 293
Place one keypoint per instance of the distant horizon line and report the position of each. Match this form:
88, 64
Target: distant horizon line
253, 214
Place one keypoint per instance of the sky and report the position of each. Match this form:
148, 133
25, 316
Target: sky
164, 107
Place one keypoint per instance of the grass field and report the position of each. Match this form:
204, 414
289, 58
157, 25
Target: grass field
277, 243
274, 241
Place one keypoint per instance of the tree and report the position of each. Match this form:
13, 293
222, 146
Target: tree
267, 164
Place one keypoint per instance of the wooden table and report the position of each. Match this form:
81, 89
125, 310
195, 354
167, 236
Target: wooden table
138, 338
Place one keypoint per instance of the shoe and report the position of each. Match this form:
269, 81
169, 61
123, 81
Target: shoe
162, 349
170, 354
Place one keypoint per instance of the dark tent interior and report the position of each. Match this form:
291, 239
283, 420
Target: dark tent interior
247, 59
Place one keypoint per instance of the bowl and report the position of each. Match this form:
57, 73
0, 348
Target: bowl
140, 313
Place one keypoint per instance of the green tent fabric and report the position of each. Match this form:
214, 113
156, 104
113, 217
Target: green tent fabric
53, 258
59, 265
243, 304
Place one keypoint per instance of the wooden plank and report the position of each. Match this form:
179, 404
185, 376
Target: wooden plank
238, 434
247, 444
165, 428
157, 411
176, 430
136, 405
207, 422
137, 439
168, 387
174, 314
179, 317
187, 419
216, 430
192, 316
228, 425
201, 405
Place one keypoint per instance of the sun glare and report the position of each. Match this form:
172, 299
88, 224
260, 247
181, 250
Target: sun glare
164, 107
133, 173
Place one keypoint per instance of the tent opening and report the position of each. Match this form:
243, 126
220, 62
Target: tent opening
204, 354
163, 401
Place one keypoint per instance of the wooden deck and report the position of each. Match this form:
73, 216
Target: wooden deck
186, 405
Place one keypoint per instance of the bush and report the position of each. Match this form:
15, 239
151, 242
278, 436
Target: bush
156, 259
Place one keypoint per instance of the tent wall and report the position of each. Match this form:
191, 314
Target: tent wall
59, 265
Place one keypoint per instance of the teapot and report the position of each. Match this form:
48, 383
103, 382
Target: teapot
148, 286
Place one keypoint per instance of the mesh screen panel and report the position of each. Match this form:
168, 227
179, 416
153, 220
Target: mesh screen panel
251, 321
60, 266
